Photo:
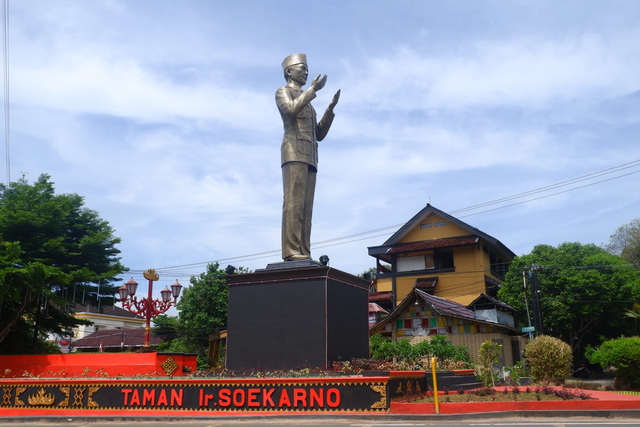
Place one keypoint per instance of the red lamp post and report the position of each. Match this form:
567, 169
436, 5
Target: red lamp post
148, 307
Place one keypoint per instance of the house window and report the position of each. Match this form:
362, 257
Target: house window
498, 266
445, 258
429, 261
427, 225
440, 224
439, 259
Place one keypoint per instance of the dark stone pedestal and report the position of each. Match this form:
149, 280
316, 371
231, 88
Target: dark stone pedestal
296, 317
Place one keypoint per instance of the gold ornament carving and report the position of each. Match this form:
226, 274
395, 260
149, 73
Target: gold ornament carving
151, 274
382, 403
169, 365
6, 396
90, 402
65, 402
19, 391
78, 396
42, 398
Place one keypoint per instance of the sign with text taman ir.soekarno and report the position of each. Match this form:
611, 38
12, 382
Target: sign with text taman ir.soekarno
349, 394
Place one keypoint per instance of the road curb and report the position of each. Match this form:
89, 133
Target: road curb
604, 414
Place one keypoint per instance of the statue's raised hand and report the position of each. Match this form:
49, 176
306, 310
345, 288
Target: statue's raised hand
319, 82
334, 101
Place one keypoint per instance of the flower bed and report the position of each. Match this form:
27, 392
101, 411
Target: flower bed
595, 401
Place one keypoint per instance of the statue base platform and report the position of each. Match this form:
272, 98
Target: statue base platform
285, 265
291, 316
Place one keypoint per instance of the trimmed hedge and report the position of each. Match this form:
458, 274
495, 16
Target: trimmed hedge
624, 355
549, 359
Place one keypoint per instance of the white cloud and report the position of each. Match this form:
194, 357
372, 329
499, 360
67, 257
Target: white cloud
525, 72
164, 119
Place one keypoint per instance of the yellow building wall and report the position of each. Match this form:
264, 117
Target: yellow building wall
471, 263
463, 285
384, 284
449, 230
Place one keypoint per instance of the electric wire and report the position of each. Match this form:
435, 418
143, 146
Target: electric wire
549, 195
592, 175
359, 236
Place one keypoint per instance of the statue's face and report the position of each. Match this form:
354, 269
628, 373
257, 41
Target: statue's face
299, 73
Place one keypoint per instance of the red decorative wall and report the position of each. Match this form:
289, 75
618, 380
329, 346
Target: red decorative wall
98, 365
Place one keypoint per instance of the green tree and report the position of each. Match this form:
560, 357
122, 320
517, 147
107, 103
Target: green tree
203, 306
624, 355
50, 247
369, 273
583, 291
625, 242
634, 313
201, 309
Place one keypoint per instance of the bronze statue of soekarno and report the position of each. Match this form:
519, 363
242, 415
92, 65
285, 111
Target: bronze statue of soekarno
299, 153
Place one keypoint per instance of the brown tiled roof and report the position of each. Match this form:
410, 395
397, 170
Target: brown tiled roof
380, 296
492, 284
446, 307
441, 305
486, 299
375, 308
424, 245
114, 338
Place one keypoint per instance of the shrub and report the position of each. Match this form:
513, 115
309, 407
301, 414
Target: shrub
381, 348
516, 373
488, 356
549, 359
442, 349
449, 355
624, 355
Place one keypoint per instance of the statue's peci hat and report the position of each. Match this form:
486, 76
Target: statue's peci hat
296, 58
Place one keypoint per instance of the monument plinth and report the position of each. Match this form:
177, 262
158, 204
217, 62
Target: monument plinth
296, 317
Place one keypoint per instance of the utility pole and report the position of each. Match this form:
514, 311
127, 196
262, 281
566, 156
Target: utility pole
535, 298
526, 303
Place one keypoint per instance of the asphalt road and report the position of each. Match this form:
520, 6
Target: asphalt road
514, 422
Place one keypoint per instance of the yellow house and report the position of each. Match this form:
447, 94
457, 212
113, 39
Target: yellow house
443, 256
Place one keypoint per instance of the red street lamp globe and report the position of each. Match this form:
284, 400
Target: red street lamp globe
175, 289
123, 292
132, 287
166, 294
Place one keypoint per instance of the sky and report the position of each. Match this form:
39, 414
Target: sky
161, 114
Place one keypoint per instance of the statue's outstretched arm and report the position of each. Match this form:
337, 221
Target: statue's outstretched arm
291, 106
322, 128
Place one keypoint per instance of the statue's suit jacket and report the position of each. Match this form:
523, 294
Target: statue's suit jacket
301, 130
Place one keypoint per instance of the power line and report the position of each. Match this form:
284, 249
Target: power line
552, 194
592, 175
341, 240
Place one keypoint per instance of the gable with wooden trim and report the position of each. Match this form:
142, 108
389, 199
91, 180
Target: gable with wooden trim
458, 261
